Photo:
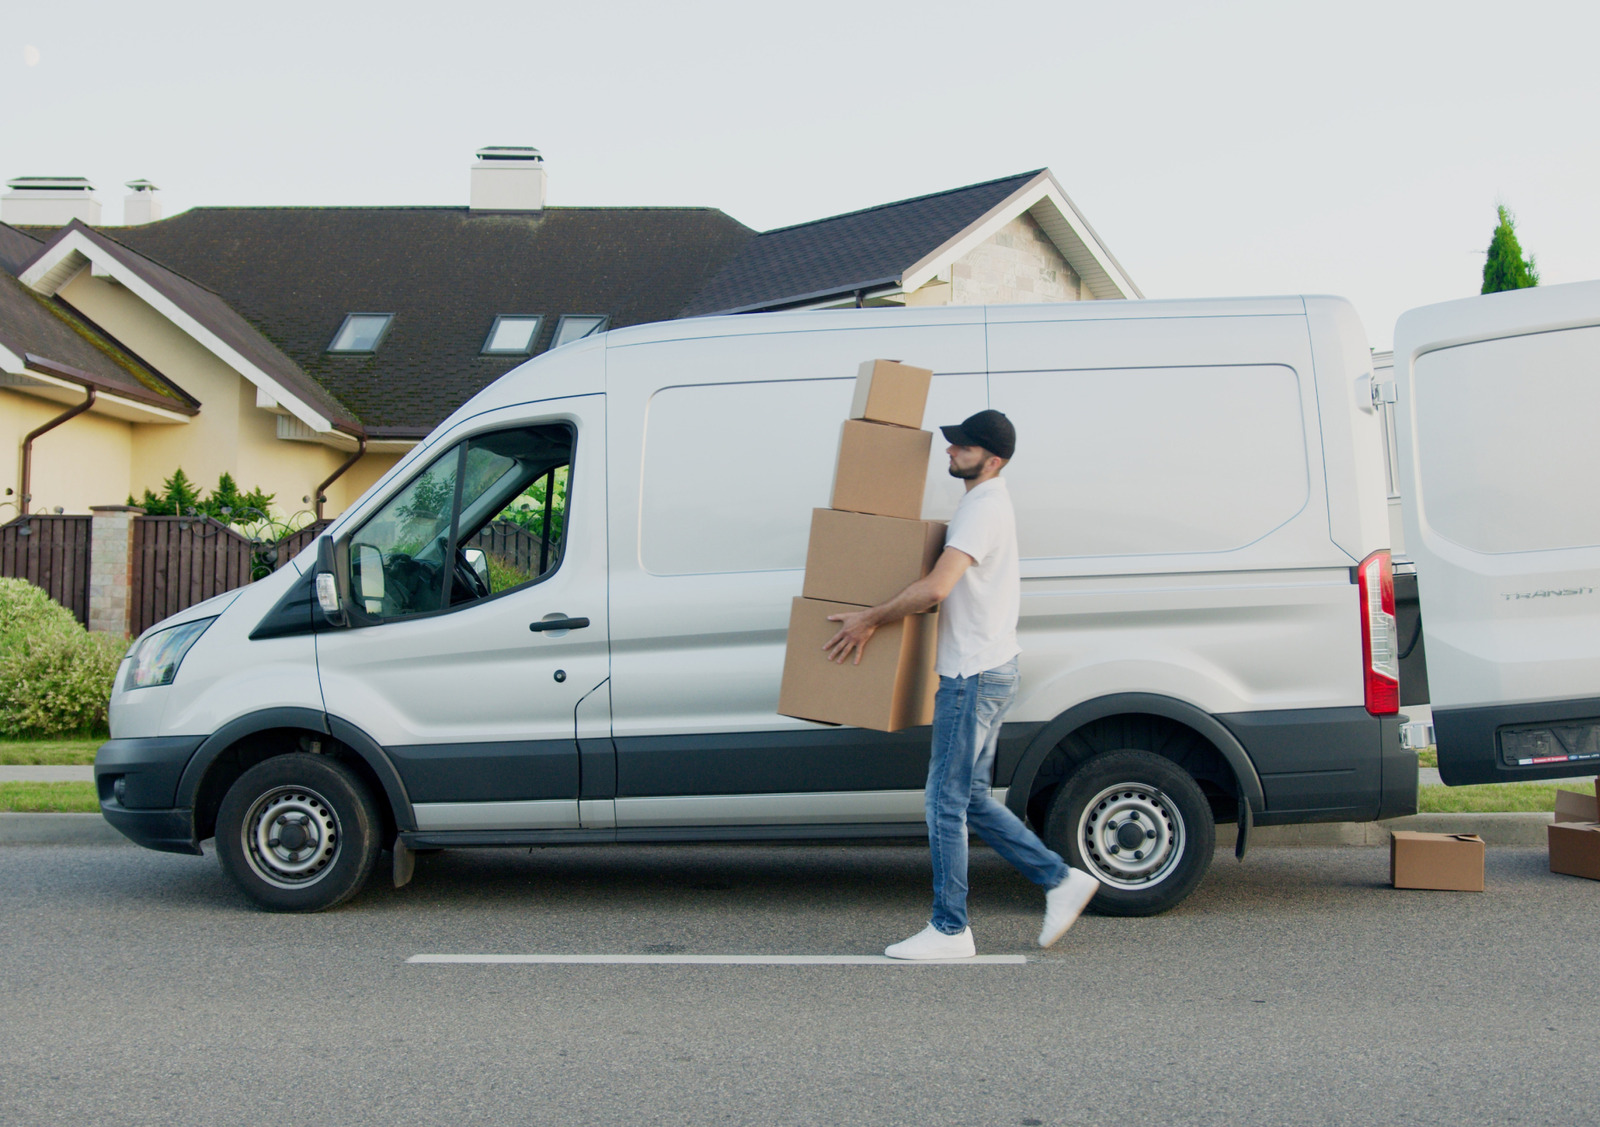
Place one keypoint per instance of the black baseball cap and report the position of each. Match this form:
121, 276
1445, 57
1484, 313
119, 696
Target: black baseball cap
988, 429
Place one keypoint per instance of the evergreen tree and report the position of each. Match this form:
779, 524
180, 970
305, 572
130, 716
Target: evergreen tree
181, 497
1504, 268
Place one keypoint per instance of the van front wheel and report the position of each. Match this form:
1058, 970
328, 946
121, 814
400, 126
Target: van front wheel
1137, 823
298, 833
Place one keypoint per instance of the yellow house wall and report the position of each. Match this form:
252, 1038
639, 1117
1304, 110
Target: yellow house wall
229, 435
84, 461
357, 480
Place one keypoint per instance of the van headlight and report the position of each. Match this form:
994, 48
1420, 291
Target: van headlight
156, 659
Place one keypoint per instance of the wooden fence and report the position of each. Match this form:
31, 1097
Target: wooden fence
181, 561
514, 544
51, 552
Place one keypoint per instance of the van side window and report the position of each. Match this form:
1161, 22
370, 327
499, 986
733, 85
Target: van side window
486, 516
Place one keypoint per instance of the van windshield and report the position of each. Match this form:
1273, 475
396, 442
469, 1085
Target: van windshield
486, 516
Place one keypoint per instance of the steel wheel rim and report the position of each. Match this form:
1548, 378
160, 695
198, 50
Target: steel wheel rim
291, 837
1110, 822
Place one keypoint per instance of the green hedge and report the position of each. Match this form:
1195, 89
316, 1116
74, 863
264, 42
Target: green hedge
55, 676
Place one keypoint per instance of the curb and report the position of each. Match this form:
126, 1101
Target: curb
1495, 829
58, 829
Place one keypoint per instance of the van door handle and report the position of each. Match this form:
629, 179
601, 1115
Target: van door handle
558, 624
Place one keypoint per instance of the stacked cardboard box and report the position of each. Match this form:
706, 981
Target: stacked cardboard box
865, 549
1575, 834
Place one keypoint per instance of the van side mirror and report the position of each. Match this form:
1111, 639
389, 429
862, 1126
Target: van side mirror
327, 583
478, 560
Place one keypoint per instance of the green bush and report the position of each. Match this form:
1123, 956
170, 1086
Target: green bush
27, 612
55, 676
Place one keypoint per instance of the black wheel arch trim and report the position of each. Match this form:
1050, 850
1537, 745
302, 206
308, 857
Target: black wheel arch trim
309, 719
1118, 704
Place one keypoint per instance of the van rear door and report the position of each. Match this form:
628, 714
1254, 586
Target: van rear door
1498, 397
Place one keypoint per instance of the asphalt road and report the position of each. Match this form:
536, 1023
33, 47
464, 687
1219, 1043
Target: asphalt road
138, 988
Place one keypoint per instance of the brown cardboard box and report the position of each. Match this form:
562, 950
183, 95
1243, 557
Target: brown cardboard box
865, 560
892, 688
1447, 861
1575, 849
1575, 806
881, 470
888, 391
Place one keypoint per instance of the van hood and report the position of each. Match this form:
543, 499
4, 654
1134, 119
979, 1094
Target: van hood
208, 609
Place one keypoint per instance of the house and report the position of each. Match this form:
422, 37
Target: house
1016, 239
303, 350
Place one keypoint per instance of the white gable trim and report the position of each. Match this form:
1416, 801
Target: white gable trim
67, 257
1061, 221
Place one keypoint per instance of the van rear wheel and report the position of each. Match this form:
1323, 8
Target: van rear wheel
298, 833
1140, 825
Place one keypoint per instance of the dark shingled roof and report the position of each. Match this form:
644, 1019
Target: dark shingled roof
859, 250
444, 272
16, 247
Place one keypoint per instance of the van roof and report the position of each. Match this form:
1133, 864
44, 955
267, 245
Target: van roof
811, 320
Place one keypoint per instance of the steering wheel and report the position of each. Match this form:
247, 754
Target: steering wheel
464, 578
411, 579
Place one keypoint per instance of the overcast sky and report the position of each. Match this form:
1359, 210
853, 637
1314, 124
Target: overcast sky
1218, 148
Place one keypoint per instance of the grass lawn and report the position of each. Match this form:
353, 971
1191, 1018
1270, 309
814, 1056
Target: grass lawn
49, 753
49, 798
1487, 798
1427, 757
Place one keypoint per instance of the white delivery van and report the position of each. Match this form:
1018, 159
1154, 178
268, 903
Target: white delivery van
1496, 403
561, 618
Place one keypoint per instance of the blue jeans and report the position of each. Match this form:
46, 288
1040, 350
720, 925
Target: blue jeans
966, 726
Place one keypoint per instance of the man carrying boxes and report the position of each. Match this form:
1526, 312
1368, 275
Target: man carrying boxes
977, 579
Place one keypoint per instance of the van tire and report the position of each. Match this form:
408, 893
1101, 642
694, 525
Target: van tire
298, 833
1104, 804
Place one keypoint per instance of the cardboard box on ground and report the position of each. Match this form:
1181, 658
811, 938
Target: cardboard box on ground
1451, 862
862, 551
1574, 836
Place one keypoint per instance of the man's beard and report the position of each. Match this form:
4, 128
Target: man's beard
965, 475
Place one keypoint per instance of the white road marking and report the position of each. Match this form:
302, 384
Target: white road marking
725, 960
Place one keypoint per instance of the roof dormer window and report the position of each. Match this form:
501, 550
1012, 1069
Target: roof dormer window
361, 332
512, 334
573, 327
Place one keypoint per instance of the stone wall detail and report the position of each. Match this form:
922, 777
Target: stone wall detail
111, 567
1018, 263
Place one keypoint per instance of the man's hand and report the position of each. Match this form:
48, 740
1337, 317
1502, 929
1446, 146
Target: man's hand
855, 629
926, 593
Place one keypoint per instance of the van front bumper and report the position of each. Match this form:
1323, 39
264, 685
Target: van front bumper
137, 782
169, 831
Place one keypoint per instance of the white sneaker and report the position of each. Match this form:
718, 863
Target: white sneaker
931, 943
1064, 903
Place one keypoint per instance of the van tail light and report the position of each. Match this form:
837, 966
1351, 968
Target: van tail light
1380, 653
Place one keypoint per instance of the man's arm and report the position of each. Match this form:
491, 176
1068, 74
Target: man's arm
928, 592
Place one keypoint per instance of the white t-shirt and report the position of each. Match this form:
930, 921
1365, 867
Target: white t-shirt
978, 620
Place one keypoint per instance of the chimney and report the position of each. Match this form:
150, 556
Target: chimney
508, 178
49, 201
142, 204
